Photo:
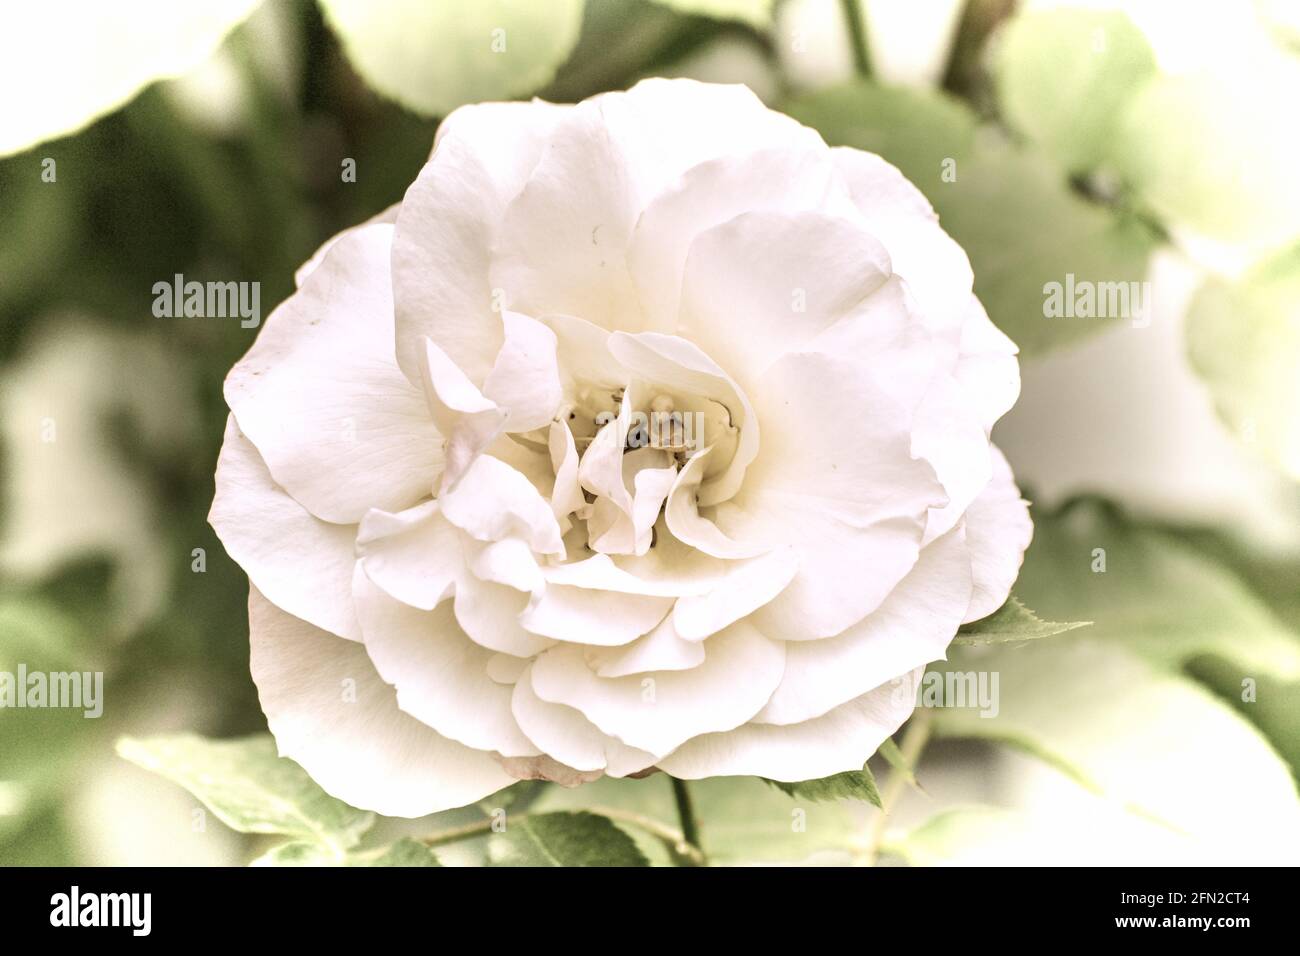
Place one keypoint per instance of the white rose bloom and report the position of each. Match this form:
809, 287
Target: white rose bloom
644, 433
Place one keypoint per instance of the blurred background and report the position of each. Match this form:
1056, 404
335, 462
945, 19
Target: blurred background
1150, 143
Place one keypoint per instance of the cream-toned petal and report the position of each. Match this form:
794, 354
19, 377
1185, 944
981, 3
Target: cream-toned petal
525, 380
494, 501
837, 741
571, 738
440, 674
320, 395
302, 564
913, 627
414, 555
333, 714
663, 649
998, 532
469, 420
658, 712
446, 229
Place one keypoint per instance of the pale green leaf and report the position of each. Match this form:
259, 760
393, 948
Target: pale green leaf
897, 762
756, 13
564, 839
74, 66
1244, 340
742, 819
1149, 592
1012, 622
1063, 75
849, 785
1211, 154
433, 57
404, 852
1141, 738
249, 787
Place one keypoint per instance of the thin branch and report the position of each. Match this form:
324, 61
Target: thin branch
915, 738
857, 37
686, 813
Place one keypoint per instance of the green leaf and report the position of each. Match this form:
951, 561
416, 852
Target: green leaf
404, 852
115, 60
564, 839
1012, 622
742, 819
250, 788
897, 762
1244, 340
433, 57
1010, 208
1063, 75
1209, 154
916, 130
1024, 229
849, 785
756, 13
1156, 596
1130, 732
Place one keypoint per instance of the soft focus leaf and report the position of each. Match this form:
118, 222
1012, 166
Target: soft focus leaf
564, 839
73, 62
1012, 622
849, 785
757, 13
1138, 737
1062, 76
433, 57
1149, 592
250, 788
404, 852
742, 819
1211, 154
1244, 340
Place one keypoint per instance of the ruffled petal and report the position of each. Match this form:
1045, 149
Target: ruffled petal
658, 712
998, 532
840, 740
319, 393
332, 713
302, 564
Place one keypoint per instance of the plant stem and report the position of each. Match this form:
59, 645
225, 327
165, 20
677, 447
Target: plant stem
915, 738
857, 37
686, 814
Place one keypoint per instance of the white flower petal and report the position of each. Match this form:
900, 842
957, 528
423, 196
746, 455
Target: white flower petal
332, 713
584, 616
783, 180
440, 674
494, 501
937, 270
745, 587
319, 394
658, 712
682, 514
986, 366
840, 740
663, 649
469, 420
948, 434
836, 479
525, 380
414, 555
998, 532
302, 564
489, 614
571, 738
446, 227
913, 627
764, 283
